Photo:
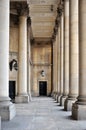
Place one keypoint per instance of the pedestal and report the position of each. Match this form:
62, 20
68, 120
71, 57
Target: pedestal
62, 100
79, 112
7, 110
68, 104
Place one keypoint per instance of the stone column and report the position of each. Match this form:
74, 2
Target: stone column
56, 70
62, 56
7, 109
28, 58
74, 52
22, 71
79, 107
66, 51
53, 69
59, 66
55, 66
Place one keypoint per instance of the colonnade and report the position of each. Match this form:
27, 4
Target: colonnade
69, 52
72, 77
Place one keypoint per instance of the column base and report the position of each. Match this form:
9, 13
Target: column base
79, 112
68, 104
30, 97
58, 98
62, 100
22, 99
54, 95
7, 110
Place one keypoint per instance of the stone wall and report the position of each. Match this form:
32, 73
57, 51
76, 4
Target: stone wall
41, 60
13, 48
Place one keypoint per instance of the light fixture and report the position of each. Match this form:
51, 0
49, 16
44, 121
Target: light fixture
13, 64
43, 73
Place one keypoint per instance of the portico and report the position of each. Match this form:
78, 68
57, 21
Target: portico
43, 42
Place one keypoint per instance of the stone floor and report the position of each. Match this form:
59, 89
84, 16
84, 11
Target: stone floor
42, 114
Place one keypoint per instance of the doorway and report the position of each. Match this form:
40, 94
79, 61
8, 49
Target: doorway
42, 88
12, 90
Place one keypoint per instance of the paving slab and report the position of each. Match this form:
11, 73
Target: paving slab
43, 113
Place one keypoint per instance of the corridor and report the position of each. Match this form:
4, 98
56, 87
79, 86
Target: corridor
43, 113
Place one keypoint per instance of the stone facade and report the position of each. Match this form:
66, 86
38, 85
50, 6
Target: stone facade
41, 60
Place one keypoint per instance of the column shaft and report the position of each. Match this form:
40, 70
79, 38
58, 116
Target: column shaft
66, 38
22, 75
7, 109
62, 57
28, 62
79, 108
4, 49
59, 66
56, 70
74, 52
22, 55
66, 52
55, 65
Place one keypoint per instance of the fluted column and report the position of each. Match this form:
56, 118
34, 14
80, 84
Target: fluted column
59, 67
79, 108
74, 54
66, 51
55, 66
28, 58
62, 57
7, 109
22, 72
54, 69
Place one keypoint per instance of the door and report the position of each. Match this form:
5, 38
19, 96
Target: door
42, 88
12, 90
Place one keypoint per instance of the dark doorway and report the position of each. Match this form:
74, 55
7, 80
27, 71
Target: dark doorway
42, 88
12, 90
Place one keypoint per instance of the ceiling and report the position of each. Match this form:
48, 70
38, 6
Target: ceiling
43, 14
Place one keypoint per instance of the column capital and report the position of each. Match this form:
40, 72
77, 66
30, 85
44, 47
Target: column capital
22, 9
60, 9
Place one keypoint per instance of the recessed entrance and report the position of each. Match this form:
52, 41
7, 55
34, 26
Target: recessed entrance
12, 90
42, 88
